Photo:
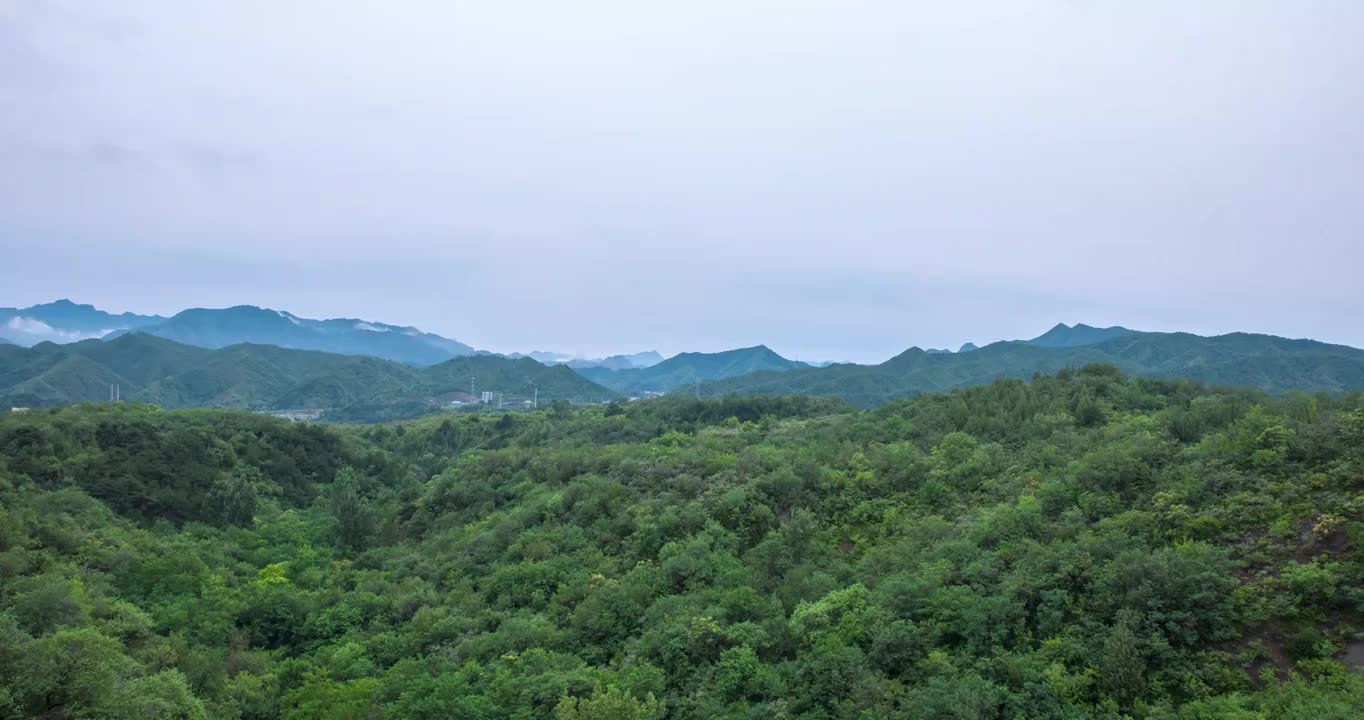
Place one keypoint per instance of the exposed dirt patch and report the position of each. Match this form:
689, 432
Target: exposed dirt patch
1354, 654
1264, 647
1315, 536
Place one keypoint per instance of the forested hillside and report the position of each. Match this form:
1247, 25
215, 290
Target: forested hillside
263, 377
1267, 362
1086, 545
1063, 335
684, 369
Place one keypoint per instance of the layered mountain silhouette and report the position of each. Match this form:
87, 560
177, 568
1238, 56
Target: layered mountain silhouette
345, 336
690, 367
264, 377
645, 359
65, 321
259, 358
612, 362
1272, 363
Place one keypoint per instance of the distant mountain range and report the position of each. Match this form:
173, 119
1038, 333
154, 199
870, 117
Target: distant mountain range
345, 336
263, 377
613, 362
649, 358
1272, 363
687, 368
64, 321
258, 358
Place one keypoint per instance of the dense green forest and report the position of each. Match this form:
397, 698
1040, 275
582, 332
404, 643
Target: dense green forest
263, 377
1267, 362
1083, 545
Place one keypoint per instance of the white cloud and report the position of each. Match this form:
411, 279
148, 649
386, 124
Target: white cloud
38, 331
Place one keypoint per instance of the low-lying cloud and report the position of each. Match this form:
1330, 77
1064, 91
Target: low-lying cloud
30, 331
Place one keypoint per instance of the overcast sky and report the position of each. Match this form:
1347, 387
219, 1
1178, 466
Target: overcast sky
838, 180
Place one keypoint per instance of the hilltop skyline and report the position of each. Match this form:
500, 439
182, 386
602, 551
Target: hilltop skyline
86, 318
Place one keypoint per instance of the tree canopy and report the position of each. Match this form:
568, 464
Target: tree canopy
1083, 545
